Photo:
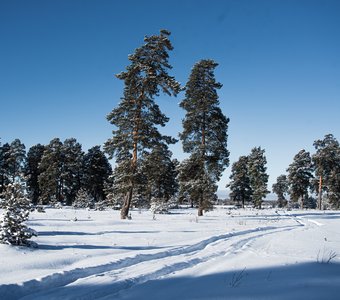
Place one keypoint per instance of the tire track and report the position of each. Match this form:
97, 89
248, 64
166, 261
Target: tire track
145, 266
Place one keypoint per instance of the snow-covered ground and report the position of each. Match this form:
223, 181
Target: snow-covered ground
226, 254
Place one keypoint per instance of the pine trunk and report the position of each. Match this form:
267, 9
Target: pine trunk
200, 207
128, 198
320, 193
124, 212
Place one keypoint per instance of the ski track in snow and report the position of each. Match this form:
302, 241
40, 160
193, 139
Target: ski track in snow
129, 271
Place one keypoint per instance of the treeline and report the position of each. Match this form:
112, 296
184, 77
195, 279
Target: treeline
60, 172
312, 180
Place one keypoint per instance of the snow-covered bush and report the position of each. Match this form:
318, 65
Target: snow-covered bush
13, 231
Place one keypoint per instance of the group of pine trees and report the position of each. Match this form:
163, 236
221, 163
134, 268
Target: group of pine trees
55, 173
144, 169
312, 181
313, 175
248, 179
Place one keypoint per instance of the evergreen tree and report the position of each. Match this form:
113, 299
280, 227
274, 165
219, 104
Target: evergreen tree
196, 184
4, 166
300, 173
32, 172
16, 159
13, 230
204, 133
97, 170
280, 188
83, 199
51, 170
72, 169
333, 188
137, 116
257, 174
240, 182
160, 172
326, 160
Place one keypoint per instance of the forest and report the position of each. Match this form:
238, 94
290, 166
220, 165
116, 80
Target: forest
144, 172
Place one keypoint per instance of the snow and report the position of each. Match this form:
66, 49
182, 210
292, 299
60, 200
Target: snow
226, 254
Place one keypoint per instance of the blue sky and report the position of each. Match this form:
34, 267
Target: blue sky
279, 64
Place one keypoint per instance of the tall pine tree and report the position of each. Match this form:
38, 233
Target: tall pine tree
204, 133
137, 116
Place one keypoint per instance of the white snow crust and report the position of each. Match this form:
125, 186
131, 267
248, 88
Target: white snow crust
226, 254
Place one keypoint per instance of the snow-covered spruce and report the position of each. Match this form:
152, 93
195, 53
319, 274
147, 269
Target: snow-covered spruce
83, 200
13, 231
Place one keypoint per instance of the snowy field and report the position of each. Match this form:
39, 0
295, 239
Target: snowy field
226, 254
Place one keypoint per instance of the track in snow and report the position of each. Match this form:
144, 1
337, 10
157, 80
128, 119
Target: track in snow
87, 283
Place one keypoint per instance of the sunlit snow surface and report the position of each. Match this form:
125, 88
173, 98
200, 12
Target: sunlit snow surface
226, 254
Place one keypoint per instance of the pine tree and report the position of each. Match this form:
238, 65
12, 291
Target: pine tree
97, 170
51, 170
137, 116
72, 169
16, 159
32, 172
240, 182
326, 160
4, 166
204, 133
257, 174
196, 184
160, 172
13, 230
280, 188
333, 188
300, 173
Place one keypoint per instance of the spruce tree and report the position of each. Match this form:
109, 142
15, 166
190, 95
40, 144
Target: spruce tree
83, 199
280, 188
204, 133
137, 116
258, 176
326, 161
32, 172
13, 230
240, 182
300, 173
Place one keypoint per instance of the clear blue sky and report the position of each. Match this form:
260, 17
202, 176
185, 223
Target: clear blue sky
279, 63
